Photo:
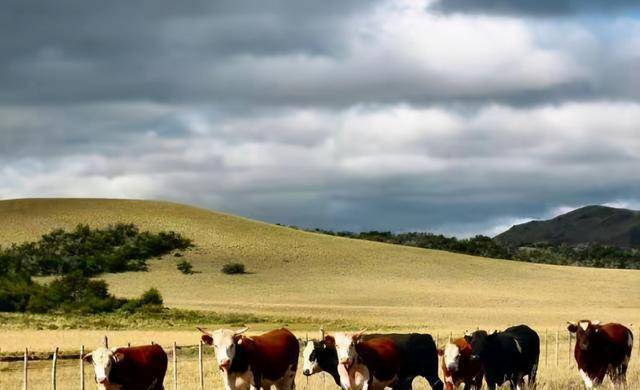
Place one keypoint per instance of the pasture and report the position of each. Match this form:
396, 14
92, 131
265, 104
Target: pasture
299, 274
562, 376
302, 280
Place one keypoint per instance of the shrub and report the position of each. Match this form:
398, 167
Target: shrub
185, 267
149, 301
233, 268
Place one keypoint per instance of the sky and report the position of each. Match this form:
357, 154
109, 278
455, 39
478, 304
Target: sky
452, 116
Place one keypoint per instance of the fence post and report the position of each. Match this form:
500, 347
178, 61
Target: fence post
200, 366
106, 341
569, 351
450, 336
81, 367
24, 374
546, 348
437, 341
557, 345
175, 367
53, 369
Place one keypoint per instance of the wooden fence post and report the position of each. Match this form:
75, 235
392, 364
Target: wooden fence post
546, 348
106, 341
25, 381
557, 345
53, 369
569, 351
175, 367
200, 366
450, 336
437, 341
81, 367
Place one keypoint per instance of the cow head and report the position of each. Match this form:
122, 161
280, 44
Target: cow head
450, 357
224, 342
346, 346
318, 357
103, 360
585, 331
480, 342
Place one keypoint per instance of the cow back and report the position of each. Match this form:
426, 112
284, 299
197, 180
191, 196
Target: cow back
272, 353
142, 367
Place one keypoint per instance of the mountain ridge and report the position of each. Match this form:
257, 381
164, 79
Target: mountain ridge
592, 224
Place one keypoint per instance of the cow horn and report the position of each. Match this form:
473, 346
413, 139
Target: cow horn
203, 330
322, 333
595, 323
360, 332
241, 331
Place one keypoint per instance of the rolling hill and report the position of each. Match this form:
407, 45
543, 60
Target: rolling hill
590, 224
320, 277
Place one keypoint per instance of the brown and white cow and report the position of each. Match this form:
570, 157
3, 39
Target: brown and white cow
133, 368
385, 360
270, 359
602, 349
460, 366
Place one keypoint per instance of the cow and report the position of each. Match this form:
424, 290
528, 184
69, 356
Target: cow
392, 360
321, 356
508, 356
259, 362
460, 366
132, 368
602, 349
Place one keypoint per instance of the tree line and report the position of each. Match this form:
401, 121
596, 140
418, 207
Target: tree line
588, 255
73, 258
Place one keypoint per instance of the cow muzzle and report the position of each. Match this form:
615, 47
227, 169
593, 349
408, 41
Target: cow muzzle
102, 380
306, 372
225, 364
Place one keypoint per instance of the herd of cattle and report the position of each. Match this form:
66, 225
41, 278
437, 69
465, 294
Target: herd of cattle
375, 361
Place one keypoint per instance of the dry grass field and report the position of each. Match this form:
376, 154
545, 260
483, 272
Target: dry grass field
295, 274
562, 377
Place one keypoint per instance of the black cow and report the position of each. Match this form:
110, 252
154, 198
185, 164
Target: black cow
509, 356
418, 354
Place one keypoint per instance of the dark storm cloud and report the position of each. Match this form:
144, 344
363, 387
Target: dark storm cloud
336, 114
73, 50
536, 8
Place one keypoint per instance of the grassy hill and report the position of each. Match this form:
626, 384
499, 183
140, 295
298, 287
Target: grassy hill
300, 274
590, 224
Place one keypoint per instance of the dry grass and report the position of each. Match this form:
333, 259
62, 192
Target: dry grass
321, 279
550, 377
301, 274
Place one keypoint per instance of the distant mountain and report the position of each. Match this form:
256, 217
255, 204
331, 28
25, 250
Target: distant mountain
586, 225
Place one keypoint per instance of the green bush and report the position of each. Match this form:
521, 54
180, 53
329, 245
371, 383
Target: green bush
185, 267
233, 268
75, 256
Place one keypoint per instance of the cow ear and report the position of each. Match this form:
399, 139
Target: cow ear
440, 352
88, 358
207, 339
329, 341
572, 327
237, 338
118, 356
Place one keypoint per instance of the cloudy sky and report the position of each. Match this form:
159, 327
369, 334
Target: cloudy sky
453, 116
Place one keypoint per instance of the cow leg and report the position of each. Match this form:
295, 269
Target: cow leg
619, 376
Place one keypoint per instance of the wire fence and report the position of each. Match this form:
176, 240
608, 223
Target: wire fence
188, 365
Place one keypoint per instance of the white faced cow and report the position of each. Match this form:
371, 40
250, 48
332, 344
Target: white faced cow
135, 368
256, 362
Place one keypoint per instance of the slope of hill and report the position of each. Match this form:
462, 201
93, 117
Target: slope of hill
302, 274
590, 224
